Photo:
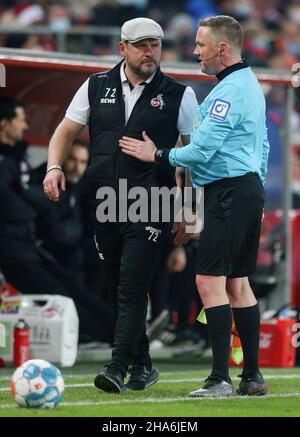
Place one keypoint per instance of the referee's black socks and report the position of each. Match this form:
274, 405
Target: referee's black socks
247, 321
219, 321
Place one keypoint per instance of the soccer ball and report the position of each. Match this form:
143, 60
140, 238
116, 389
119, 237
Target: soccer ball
37, 384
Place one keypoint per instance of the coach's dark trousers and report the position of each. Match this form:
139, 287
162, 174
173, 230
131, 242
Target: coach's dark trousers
130, 252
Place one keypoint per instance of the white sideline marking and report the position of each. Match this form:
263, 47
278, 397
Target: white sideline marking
92, 375
165, 400
179, 398
234, 378
183, 372
174, 381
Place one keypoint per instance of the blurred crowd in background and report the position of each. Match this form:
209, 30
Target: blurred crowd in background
272, 27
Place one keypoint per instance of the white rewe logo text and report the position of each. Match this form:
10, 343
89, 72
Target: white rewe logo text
108, 101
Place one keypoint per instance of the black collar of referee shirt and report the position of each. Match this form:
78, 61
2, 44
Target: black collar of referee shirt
231, 69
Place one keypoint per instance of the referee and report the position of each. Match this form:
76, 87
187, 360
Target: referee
227, 155
133, 98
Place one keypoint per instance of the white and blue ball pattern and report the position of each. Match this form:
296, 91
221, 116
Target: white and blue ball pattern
37, 384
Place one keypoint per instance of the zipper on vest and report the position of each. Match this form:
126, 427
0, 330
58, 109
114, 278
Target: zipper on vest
117, 170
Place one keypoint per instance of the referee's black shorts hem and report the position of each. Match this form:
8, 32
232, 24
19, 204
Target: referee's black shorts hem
229, 241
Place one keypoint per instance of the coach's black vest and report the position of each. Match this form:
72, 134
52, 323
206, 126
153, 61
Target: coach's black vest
156, 112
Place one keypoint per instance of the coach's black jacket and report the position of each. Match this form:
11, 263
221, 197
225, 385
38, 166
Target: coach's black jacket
156, 112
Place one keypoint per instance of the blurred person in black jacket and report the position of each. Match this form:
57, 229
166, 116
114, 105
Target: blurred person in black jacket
28, 267
61, 229
65, 229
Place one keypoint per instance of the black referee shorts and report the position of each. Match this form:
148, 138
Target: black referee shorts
228, 244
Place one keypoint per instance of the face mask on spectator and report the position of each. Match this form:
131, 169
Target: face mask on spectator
294, 15
294, 48
243, 9
60, 24
295, 187
261, 42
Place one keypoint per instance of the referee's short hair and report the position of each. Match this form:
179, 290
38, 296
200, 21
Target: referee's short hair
225, 28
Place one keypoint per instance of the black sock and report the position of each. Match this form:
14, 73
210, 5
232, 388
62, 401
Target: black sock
219, 322
247, 321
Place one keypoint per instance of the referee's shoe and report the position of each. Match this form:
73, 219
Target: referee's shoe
252, 385
141, 377
214, 388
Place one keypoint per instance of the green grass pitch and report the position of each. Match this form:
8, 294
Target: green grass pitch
167, 398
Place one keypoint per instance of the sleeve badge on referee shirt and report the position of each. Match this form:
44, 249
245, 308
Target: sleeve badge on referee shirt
219, 109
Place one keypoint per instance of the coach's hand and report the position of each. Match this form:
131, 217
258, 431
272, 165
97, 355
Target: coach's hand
181, 237
142, 150
53, 182
183, 223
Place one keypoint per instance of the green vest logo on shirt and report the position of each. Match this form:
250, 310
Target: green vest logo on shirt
197, 121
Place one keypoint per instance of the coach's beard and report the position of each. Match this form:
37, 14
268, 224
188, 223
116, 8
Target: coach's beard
143, 70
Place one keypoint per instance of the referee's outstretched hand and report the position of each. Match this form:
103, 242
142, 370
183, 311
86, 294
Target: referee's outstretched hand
142, 150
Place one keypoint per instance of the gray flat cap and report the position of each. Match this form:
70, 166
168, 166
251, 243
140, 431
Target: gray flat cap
141, 28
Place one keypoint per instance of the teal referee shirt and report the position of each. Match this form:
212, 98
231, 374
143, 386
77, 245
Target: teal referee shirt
229, 136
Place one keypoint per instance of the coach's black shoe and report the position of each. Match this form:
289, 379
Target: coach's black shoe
252, 385
214, 388
110, 380
141, 377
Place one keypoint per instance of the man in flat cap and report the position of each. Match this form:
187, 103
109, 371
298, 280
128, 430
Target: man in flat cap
134, 99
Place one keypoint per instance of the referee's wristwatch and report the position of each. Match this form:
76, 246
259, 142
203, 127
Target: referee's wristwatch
162, 155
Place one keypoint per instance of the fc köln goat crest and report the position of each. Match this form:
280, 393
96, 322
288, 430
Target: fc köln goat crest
158, 101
